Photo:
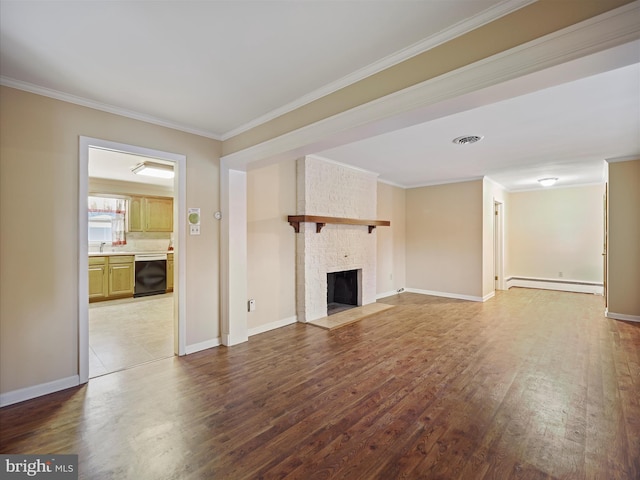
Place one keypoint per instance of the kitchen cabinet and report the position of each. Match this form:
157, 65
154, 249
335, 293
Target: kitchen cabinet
98, 278
111, 277
170, 272
150, 214
136, 205
121, 275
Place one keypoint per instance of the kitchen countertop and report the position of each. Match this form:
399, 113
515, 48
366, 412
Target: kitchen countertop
110, 254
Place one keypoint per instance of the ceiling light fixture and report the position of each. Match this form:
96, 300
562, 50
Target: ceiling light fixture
547, 182
152, 169
467, 139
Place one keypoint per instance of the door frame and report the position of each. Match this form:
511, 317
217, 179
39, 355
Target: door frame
498, 246
179, 209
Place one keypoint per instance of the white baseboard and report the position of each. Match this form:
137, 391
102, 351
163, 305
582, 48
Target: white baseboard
386, 294
574, 286
28, 393
621, 316
273, 325
198, 347
489, 296
446, 295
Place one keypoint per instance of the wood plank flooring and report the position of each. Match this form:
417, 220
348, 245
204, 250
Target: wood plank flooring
532, 384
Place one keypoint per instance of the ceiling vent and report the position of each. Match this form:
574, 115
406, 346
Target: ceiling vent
467, 139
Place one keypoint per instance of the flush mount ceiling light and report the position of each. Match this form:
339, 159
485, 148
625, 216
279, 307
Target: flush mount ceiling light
547, 182
152, 169
467, 139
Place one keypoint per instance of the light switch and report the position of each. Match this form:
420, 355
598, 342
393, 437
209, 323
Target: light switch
194, 229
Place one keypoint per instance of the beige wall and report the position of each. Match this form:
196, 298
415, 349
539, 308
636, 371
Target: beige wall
623, 292
39, 259
556, 230
271, 244
391, 262
444, 238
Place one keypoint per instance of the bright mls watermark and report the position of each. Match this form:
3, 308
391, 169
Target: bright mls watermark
52, 467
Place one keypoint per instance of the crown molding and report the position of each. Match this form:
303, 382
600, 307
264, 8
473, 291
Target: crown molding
84, 102
628, 158
616, 28
460, 28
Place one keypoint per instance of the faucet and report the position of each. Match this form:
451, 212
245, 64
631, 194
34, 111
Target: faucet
102, 244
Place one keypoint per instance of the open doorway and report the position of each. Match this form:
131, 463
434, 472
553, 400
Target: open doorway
130, 323
130, 243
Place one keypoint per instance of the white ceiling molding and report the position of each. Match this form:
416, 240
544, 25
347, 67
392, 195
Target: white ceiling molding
428, 43
622, 159
455, 90
84, 102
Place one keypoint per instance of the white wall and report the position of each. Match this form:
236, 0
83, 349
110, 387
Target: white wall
556, 230
271, 246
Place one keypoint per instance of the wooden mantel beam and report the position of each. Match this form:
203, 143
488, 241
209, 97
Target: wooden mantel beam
295, 220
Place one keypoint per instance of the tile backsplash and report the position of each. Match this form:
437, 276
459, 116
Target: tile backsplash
135, 245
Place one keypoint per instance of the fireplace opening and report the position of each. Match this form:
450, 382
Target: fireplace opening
342, 291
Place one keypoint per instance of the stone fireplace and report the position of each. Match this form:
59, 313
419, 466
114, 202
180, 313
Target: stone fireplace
329, 189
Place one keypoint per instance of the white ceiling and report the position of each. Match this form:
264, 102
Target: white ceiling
217, 68
108, 164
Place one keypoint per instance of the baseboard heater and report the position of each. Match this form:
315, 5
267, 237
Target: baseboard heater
553, 284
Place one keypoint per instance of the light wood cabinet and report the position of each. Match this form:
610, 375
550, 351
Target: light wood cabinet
158, 214
170, 272
98, 278
150, 214
121, 275
111, 277
136, 205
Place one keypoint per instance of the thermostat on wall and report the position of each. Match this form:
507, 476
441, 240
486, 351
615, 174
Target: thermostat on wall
193, 216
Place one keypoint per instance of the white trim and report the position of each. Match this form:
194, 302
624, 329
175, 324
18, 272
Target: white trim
487, 16
628, 158
445, 182
179, 237
575, 286
387, 294
104, 107
273, 325
198, 347
27, 393
393, 184
489, 296
621, 316
457, 296
611, 29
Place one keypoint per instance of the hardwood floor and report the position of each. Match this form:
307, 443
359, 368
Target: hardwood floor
532, 384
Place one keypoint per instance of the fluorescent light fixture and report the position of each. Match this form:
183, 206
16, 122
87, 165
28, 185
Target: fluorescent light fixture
152, 169
547, 182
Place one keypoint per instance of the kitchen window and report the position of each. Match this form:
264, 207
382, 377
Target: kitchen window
107, 220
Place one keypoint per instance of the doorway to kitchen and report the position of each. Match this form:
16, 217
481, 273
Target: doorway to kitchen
124, 322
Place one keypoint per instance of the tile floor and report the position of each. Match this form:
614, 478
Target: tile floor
128, 332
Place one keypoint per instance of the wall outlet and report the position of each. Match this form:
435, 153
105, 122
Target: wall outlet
252, 305
400, 290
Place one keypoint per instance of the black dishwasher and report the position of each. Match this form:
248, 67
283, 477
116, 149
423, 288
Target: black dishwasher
151, 274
